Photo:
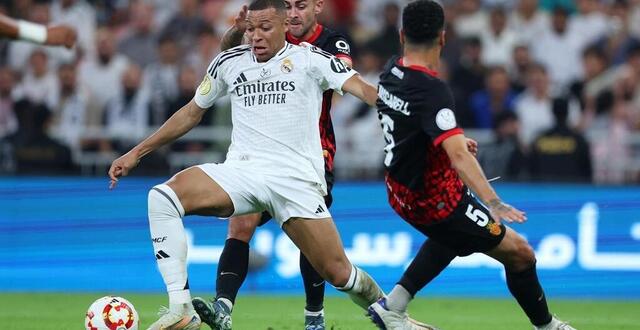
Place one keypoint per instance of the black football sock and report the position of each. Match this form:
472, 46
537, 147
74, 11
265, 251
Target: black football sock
525, 287
232, 269
313, 285
432, 259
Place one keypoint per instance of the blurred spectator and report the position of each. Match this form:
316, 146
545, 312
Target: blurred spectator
518, 68
8, 120
497, 41
559, 50
68, 121
560, 154
634, 19
139, 43
208, 47
187, 84
470, 21
533, 106
161, 78
496, 98
466, 79
528, 22
101, 75
184, 26
505, 156
590, 22
34, 152
164, 11
19, 51
127, 115
368, 13
387, 42
618, 43
39, 84
594, 86
80, 15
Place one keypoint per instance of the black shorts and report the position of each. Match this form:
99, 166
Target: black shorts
468, 229
328, 199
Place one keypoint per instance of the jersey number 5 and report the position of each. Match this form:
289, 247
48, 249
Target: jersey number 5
477, 216
387, 129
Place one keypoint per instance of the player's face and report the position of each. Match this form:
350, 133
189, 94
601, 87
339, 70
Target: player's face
266, 30
303, 15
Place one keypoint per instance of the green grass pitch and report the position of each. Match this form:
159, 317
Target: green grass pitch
60, 311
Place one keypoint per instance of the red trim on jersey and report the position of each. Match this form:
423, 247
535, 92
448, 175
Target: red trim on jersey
446, 135
419, 68
344, 56
316, 34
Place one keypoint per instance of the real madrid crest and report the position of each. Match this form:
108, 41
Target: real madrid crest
286, 66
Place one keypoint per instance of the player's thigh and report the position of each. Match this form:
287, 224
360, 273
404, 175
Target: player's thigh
469, 229
513, 251
319, 241
199, 194
242, 227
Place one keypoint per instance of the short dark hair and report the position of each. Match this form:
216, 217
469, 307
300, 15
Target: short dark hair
278, 5
422, 21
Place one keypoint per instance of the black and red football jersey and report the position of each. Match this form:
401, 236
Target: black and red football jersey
416, 110
336, 44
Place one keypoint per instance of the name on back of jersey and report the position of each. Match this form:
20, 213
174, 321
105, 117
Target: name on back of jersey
393, 101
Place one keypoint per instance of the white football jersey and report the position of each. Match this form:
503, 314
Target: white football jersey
275, 107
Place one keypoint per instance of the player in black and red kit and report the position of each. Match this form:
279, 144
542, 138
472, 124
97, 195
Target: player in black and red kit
430, 173
234, 260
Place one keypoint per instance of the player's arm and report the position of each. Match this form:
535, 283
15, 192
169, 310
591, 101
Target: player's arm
361, 89
234, 35
179, 124
37, 33
471, 173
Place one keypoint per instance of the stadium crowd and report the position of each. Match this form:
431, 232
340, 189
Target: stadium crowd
550, 88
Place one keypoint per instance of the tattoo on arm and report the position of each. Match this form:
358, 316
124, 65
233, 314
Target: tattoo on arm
231, 38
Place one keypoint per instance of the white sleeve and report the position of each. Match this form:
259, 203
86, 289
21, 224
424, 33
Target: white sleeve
328, 70
212, 86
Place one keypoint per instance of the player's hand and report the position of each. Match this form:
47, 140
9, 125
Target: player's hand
472, 146
240, 21
61, 35
503, 211
121, 167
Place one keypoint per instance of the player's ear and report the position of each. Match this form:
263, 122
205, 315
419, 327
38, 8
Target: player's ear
318, 7
442, 38
401, 37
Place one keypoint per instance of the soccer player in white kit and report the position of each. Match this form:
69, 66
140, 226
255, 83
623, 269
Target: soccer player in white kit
275, 161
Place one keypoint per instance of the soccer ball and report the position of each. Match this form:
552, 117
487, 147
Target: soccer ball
111, 313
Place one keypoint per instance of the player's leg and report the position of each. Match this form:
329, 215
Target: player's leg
319, 241
314, 291
519, 261
391, 312
233, 267
188, 192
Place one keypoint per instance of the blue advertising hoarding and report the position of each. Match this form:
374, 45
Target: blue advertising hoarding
73, 234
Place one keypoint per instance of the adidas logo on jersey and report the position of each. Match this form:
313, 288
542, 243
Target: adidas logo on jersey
242, 78
320, 209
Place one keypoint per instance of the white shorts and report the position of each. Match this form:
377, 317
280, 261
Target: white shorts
254, 192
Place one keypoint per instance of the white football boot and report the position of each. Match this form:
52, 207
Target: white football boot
390, 320
555, 324
176, 321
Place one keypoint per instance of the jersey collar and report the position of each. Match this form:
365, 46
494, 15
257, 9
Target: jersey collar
418, 68
313, 38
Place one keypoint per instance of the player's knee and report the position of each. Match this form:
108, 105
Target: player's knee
243, 227
524, 257
163, 201
336, 272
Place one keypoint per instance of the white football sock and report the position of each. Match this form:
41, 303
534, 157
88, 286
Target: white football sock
398, 299
362, 289
170, 244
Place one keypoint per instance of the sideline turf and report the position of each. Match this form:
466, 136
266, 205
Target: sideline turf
60, 311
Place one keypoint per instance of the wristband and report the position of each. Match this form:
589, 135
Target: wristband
32, 32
